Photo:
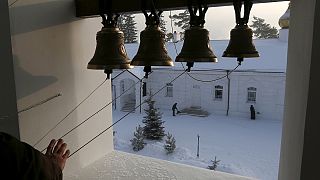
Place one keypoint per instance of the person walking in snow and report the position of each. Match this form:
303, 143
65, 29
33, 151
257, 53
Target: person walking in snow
174, 108
253, 112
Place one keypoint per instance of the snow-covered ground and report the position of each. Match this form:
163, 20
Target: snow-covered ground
245, 147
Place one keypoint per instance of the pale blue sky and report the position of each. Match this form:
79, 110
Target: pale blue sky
220, 20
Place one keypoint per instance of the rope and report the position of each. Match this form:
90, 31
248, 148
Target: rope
55, 126
87, 119
13, 3
217, 79
204, 81
39, 103
123, 117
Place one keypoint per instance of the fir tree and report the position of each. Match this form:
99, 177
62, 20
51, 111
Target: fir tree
170, 145
163, 28
169, 37
163, 24
263, 30
127, 25
153, 128
138, 141
181, 20
215, 164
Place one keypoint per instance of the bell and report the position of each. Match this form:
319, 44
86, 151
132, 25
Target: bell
240, 44
110, 52
196, 46
152, 50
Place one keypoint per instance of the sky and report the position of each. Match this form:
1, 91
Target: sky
220, 20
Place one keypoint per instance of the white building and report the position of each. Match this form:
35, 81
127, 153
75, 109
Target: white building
259, 82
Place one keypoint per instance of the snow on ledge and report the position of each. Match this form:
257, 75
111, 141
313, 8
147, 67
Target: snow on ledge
124, 166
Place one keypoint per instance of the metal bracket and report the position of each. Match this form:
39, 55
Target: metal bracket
105, 8
152, 19
237, 4
197, 20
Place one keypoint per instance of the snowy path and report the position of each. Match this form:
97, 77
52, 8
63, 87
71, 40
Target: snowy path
245, 147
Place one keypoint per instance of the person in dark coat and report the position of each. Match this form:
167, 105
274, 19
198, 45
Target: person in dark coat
21, 161
174, 108
253, 112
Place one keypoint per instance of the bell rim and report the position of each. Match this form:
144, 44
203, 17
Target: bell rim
201, 59
109, 66
95, 67
243, 55
154, 63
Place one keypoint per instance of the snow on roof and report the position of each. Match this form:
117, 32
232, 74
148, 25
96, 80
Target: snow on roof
273, 57
132, 50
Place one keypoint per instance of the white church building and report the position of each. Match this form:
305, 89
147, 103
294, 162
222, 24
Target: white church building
258, 81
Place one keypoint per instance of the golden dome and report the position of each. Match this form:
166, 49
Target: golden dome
284, 20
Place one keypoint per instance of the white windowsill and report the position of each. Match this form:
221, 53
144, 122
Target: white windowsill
125, 166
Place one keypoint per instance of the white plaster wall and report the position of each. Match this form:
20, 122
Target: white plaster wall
270, 92
51, 50
180, 94
131, 84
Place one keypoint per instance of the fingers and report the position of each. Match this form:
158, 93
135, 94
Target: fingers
58, 146
62, 149
66, 155
50, 147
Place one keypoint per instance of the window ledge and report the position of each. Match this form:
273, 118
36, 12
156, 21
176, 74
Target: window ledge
252, 102
125, 166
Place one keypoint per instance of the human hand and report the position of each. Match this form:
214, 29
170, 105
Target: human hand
57, 152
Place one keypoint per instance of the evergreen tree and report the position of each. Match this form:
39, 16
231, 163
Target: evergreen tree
138, 141
263, 30
163, 28
170, 145
163, 24
153, 128
127, 25
169, 37
181, 20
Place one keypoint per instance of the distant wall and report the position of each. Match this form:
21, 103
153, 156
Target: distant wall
269, 100
51, 50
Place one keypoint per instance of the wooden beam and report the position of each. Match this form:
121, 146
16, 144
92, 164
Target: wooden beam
87, 8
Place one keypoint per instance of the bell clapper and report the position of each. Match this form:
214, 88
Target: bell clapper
239, 59
147, 70
190, 65
108, 72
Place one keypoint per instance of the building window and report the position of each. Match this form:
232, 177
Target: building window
252, 94
169, 92
218, 92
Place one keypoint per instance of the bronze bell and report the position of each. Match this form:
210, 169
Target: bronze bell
196, 46
152, 50
240, 44
110, 51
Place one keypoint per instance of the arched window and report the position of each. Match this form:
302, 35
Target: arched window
252, 94
218, 92
169, 92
